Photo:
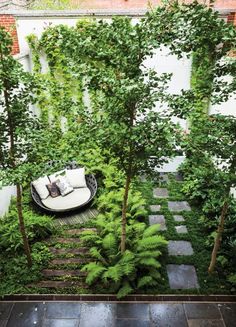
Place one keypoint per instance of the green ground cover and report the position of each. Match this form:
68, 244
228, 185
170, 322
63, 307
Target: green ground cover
15, 276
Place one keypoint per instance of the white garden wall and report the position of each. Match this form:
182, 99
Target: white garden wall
5, 197
161, 61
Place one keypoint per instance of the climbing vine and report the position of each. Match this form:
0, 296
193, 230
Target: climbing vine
61, 85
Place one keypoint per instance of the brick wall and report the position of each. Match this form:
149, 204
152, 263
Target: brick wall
232, 18
9, 23
225, 4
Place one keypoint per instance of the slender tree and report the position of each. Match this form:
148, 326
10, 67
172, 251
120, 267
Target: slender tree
16, 126
221, 144
125, 93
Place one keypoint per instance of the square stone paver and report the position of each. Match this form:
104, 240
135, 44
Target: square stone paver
60, 323
163, 178
168, 315
205, 323
228, 311
181, 229
160, 192
178, 206
155, 207
202, 311
56, 310
179, 177
26, 314
158, 219
178, 218
97, 314
132, 323
132, 311
180, 248
182, 276
5, 310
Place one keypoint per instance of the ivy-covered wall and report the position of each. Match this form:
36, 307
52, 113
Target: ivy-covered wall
182, 70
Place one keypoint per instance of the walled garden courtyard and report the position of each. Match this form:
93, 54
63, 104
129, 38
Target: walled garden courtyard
113, 127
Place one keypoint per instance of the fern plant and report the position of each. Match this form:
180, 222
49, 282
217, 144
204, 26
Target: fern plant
136, 268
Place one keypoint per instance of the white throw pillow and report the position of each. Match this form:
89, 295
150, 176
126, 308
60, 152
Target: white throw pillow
57, 174
64, 186
76, 177
41, 188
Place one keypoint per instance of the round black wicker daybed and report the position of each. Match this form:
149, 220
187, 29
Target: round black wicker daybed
91, 188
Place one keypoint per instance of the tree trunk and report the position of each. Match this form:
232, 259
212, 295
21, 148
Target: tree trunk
218, 236
124, 211
22, 225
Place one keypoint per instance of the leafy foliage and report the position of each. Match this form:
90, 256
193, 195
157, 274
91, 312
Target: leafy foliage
137, 267
14, 273
37, 228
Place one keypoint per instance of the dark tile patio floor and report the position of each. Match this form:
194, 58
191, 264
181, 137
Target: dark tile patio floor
77, 314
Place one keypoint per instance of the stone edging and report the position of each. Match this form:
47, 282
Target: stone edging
74, 13
85, 12
112, 298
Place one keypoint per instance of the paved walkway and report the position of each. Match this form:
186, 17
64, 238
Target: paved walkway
76, 314
180, 276
66, 262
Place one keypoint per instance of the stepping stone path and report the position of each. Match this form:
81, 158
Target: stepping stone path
64, 240
155, 207
160, 192
69, 251
52, 272
164, 178
181, 229
58, 284
158, 219
180, 276
177, 206
178, 218
180, 248
67, 261
78, 255
179, 177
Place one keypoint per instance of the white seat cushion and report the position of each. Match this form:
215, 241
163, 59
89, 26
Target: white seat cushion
55, 176
76, 177
64, 186
70, 201
41, 188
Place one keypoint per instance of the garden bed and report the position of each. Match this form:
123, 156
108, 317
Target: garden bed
63, 253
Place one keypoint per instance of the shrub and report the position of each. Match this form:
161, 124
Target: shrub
14, 273
37, 227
